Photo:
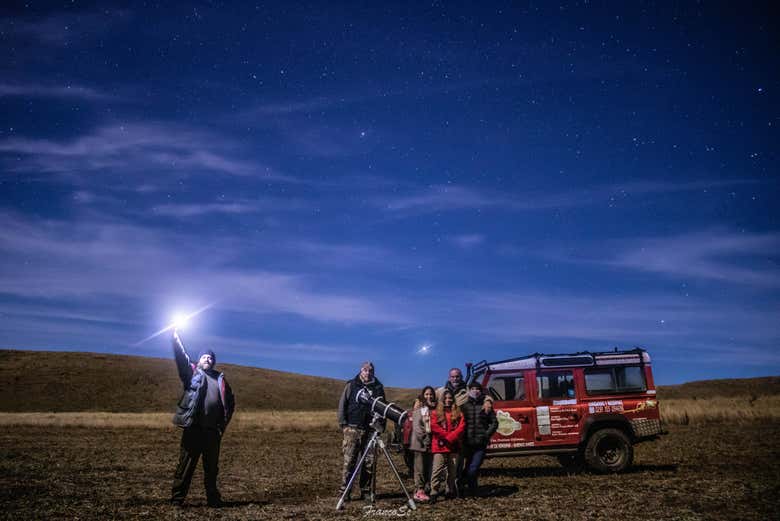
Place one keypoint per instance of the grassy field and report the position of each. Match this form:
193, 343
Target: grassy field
738, 410
721, 470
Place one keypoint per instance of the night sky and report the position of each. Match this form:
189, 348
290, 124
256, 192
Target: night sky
419, 184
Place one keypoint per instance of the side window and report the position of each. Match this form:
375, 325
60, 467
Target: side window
506, 387
555, 385
614, 380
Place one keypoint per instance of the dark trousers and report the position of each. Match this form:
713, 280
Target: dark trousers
473, 457
197, 441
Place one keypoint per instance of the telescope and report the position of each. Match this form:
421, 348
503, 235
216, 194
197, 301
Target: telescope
381, 411
380, 408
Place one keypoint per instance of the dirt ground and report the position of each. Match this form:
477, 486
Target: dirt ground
720, 471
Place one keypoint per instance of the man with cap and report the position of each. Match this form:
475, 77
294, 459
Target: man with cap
481, 424
204, 411
354, 418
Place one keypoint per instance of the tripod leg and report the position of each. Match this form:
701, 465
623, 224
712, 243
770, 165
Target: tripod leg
410, 501
372, 484
356, 471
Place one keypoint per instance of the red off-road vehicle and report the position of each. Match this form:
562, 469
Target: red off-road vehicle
588, 409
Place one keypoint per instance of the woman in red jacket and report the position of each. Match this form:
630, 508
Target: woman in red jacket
447, 426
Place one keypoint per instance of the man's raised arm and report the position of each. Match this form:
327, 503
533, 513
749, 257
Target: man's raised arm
183, 363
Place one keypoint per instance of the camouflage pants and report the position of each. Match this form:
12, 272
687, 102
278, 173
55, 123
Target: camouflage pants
352, 446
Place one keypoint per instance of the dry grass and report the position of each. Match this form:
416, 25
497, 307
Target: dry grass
740, 409
265, 421
743, 409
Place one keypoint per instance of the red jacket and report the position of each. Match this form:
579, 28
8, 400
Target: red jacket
446, 438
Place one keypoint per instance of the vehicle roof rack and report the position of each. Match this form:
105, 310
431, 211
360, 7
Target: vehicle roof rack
636, 355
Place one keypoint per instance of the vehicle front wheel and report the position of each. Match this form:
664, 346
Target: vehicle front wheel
609, 450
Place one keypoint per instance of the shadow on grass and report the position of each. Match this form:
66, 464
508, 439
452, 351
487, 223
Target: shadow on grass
483, 491
541, 472
202, 504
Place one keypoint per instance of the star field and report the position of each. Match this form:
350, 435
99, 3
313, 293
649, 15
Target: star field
419, 184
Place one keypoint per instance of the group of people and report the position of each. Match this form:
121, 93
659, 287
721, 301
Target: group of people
449, 431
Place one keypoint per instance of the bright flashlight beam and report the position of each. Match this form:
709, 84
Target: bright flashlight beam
177, 322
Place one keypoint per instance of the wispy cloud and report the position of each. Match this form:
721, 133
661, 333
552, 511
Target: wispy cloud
659, 322
35, 90
467, 241
737, 258
439, 198
136, 148
65, 28
264, 350
51, 259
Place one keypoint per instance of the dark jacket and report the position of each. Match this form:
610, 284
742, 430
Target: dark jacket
192, 380
480, 426
353, 413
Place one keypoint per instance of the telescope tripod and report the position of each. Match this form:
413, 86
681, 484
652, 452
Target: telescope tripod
371, 445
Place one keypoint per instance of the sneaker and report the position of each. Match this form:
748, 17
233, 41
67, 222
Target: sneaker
421, 496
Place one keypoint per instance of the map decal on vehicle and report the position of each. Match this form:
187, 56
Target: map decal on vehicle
506, 424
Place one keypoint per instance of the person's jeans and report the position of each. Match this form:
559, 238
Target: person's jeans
474, 457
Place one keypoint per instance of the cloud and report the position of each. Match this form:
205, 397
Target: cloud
193, 210
467, 241
34, 90
63, 29
109, 259
135, 148
440, 198
660, 322
735, 258
264, 350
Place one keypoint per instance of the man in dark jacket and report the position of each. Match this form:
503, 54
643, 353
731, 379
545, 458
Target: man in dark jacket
354, 419
204, 411
481, 424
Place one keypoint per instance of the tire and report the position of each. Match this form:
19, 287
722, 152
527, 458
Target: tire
609, 451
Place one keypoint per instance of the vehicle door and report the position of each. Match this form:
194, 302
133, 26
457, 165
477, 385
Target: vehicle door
514, 411
557, 414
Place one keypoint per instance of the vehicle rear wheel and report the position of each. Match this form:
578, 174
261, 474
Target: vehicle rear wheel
609, 450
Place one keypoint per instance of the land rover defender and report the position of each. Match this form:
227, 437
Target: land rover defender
587, 409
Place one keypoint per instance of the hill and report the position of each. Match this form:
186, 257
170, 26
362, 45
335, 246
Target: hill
67, 381
701, 389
